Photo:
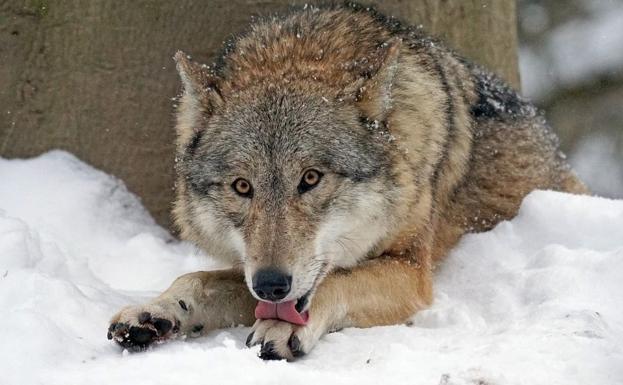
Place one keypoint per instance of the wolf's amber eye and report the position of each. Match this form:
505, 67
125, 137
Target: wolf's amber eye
242, 187
310, 179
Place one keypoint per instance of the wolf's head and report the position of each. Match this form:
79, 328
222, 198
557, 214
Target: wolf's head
286, 178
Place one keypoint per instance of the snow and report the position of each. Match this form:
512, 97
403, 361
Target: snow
537, 300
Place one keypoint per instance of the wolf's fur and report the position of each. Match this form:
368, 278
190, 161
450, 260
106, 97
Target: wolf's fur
417, 147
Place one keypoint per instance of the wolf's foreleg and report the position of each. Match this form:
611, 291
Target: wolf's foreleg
194, 304
380, 292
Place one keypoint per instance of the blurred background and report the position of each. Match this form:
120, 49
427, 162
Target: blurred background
571, 65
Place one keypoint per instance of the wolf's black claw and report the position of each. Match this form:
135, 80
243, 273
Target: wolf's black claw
144, 317
111, 329
249, 338
119, 326
183, 304
294, 343
268, 352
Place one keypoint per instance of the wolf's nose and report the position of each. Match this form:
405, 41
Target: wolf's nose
271, 284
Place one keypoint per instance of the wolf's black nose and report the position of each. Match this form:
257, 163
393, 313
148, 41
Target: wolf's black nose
271, 284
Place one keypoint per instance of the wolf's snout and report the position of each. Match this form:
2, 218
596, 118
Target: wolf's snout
271, 284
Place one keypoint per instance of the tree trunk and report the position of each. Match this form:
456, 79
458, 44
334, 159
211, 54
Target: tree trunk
96, 78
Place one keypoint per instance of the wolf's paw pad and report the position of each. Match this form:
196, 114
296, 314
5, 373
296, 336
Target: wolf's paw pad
281, 340
135, 329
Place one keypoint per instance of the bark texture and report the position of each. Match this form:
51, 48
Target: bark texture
96, 78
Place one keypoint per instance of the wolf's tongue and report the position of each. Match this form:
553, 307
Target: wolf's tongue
285, 311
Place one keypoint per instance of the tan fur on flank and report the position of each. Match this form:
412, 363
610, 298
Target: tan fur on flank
413, 147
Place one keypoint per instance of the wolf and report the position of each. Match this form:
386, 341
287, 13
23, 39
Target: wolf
333, 156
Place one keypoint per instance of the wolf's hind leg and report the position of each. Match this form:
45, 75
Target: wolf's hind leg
194, 304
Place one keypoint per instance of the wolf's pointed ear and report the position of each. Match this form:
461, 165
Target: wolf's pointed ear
373, 92
199, 84
200, 98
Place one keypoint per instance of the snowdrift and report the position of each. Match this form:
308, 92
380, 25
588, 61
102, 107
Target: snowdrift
537, 300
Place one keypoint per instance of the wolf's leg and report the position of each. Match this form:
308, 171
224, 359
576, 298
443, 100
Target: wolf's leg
381, 292
193, 304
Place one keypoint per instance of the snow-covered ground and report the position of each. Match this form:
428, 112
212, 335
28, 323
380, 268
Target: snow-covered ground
538, 300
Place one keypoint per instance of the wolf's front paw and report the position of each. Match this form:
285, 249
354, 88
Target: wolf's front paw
282, 340
137, 327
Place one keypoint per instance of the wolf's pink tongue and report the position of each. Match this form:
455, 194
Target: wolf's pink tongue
285, 311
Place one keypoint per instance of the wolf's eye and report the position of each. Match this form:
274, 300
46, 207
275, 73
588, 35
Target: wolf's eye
242, 187
309, 180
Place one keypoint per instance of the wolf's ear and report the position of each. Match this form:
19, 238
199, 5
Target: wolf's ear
200, 98
373, 92
200, 85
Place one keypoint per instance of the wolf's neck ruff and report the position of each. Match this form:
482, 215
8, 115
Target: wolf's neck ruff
285, 311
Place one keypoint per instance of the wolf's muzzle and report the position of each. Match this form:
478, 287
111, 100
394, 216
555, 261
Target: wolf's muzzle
271, 284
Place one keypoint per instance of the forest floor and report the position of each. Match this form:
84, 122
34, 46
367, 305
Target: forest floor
537, 300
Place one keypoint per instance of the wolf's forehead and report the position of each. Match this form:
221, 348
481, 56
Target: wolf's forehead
266, 146
279, 115
288, 131
278, 125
